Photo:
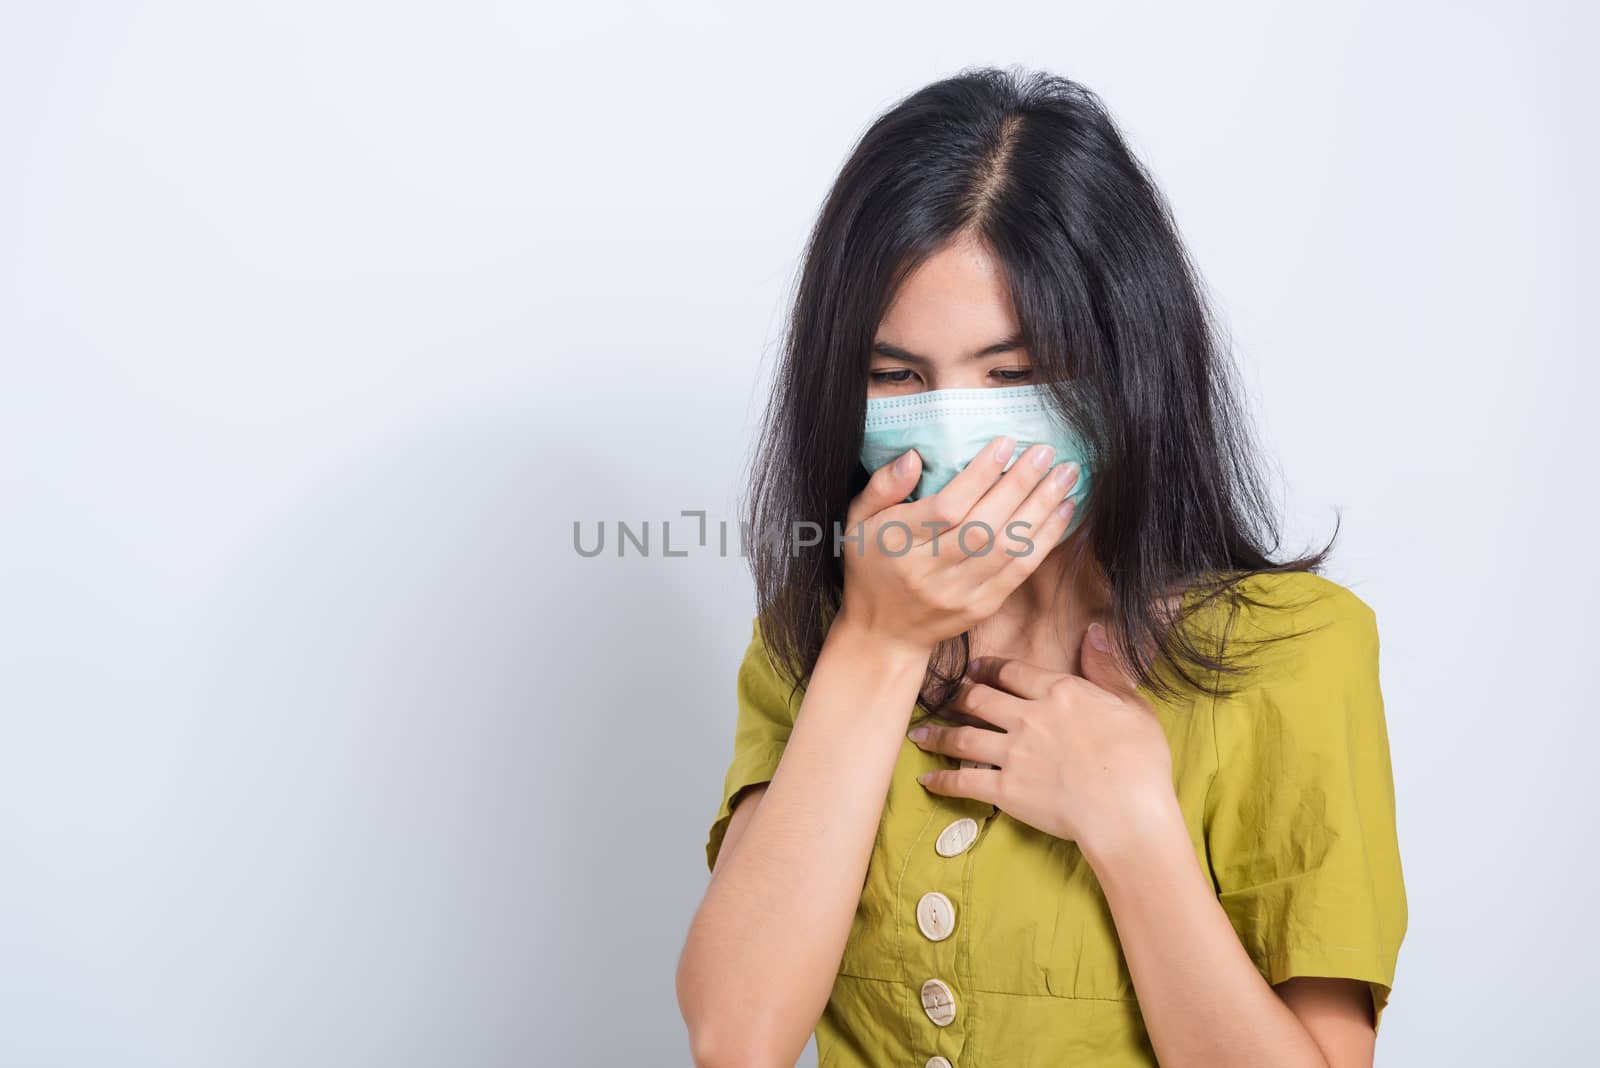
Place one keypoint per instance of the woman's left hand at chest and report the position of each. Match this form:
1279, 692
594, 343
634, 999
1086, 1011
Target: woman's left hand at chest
1082, 757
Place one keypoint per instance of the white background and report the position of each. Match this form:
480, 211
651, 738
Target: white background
320, 325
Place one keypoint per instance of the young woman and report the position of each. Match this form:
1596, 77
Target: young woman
1149, 813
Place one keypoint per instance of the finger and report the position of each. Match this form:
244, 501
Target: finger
932, 515
980, 784
968, 743
1000, 503
1027, 536
1022, 544
1015, 677
889, 485
1049, 494
1101, 665
990, 704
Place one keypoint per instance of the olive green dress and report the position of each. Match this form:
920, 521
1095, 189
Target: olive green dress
985, 942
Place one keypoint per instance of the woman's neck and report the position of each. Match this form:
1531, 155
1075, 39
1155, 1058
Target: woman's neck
1044, 620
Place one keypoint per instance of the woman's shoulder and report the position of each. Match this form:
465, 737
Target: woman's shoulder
1273, 597
1307, 695
1286, 621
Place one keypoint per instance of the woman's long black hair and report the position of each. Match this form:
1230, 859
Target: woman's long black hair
1106, 296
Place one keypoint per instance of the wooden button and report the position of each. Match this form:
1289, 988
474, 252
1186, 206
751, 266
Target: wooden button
955, 838
938, 1062
938, 1002
936, 915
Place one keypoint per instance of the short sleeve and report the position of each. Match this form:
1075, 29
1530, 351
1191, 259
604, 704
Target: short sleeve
765, 718
1300, 818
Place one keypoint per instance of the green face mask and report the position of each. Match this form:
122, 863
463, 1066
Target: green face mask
950, 427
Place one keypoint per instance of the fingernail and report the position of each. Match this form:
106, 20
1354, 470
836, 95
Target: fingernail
973, 665
1065, 474
1042, 455
923, 778
917, 734
902, 466
1097, 637
1003, 451
1064, 509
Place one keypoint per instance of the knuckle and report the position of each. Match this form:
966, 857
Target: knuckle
1003, 792
1026, 557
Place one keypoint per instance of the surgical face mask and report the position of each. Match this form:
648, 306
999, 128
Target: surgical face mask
950, 427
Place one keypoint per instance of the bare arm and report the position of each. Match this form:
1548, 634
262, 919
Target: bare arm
744, 806
797, 853
1202, 999
1338, 1014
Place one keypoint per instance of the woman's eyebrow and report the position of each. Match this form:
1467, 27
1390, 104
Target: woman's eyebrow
895, 352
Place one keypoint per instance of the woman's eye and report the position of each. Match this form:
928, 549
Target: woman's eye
892, 377
1016, 375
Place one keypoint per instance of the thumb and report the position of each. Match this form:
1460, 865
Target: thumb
890, 484
1099, 663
